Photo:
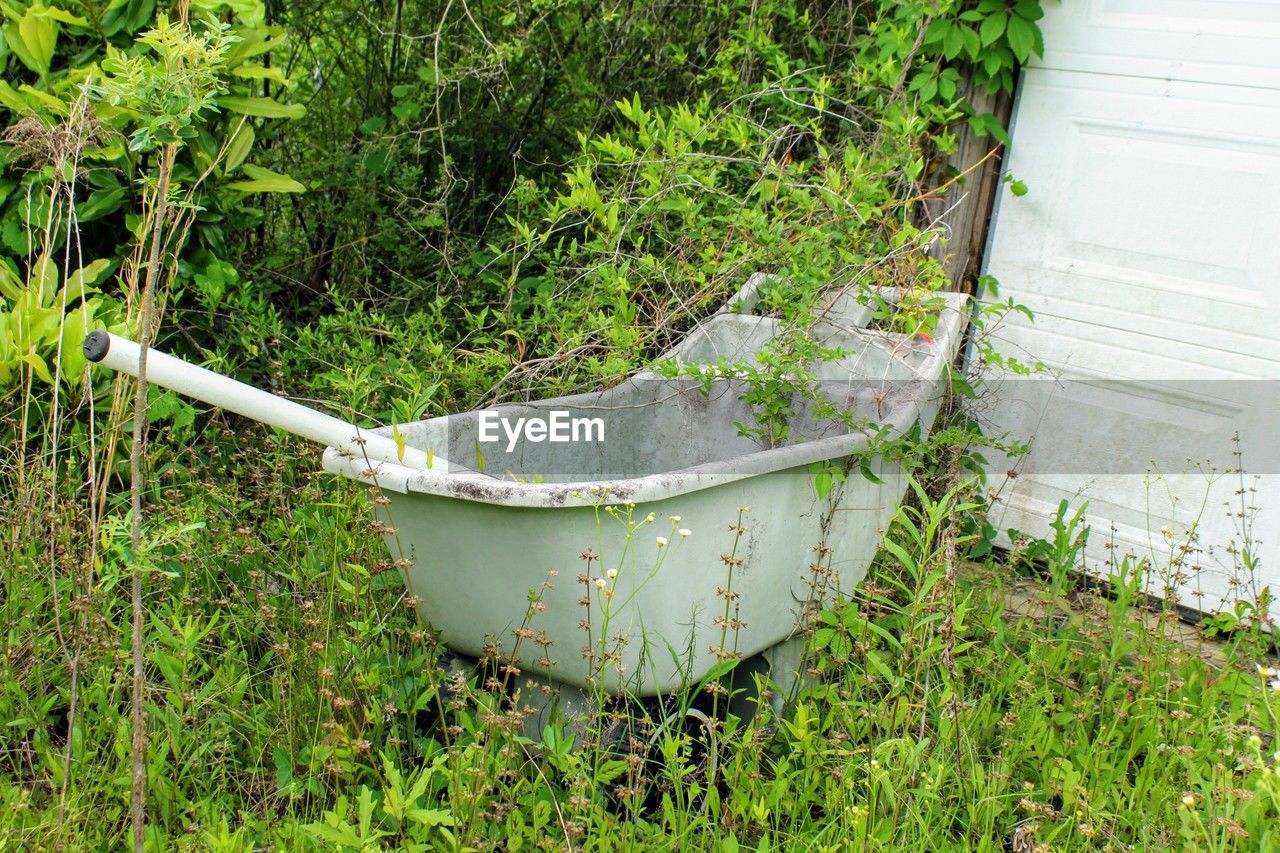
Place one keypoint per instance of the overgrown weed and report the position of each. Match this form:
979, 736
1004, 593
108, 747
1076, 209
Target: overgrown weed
299, 703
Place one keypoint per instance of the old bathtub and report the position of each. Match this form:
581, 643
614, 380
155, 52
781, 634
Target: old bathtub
672, 538
675, 535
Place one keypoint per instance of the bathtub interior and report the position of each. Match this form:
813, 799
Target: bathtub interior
650, 425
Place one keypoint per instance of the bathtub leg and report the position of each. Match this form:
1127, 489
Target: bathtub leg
550, 703
786, 663
779, 667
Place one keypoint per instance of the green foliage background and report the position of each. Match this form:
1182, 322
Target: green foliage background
444, 164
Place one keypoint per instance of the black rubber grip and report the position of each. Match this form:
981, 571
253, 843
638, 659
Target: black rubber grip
96, 345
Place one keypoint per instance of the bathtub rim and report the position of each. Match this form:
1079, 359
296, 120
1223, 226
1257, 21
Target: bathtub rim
470, 486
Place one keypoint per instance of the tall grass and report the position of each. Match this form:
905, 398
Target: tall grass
295, 701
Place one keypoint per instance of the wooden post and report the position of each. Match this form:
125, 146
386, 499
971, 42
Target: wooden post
965, 206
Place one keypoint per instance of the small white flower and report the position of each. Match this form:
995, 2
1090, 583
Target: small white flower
599, 583
662, 541
649, 518
612, 573
675, 519
1167, 533
1188, 800
1275, 685
684, 531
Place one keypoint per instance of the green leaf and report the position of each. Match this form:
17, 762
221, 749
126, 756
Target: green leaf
240, 145
822, 484
40, 36
954, 42
15, 237
407, 111
32, 39
268, 185
877, 663
986, 124
960, 385
100, 203
255, 43
261, 72
10, 98
994, 60
344, 836
1021, 34
127, 15
38, 365
992, 28
74, 330
947, 84
82, 280
262, 107
364, 807
44, 276
266, 181
54, 104
1029, 9
11, 287
65, 17
430, 817
398, 437
938, 31
284, 767
1018, 188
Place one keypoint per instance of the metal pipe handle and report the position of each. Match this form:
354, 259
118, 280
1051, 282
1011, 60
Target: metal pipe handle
224, 392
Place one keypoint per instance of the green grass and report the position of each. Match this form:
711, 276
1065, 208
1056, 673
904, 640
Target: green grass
295, 703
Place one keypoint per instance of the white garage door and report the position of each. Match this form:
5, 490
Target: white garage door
1148, 247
